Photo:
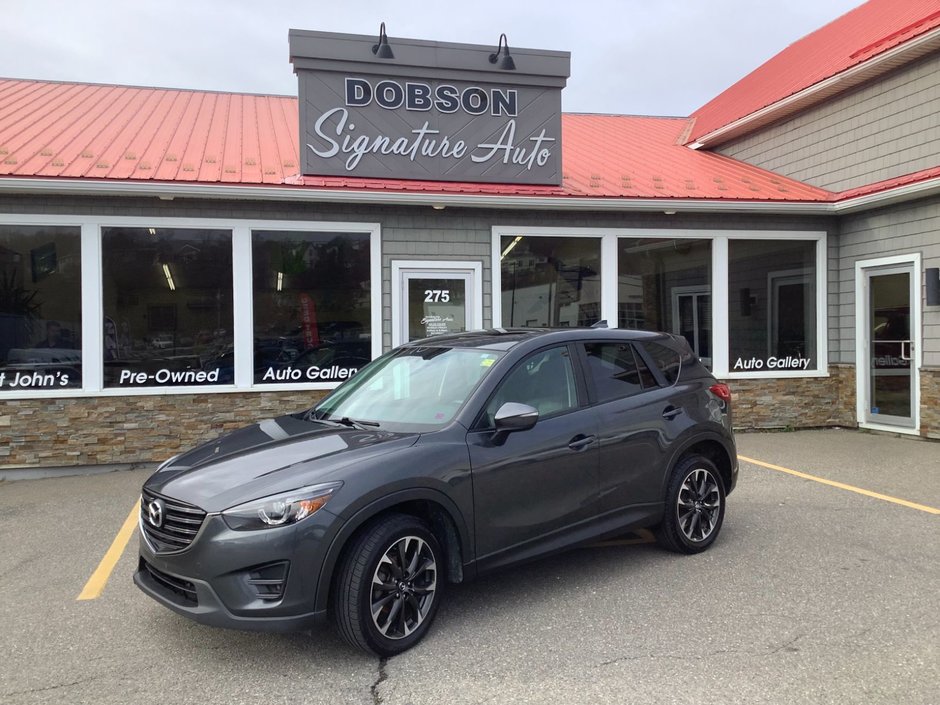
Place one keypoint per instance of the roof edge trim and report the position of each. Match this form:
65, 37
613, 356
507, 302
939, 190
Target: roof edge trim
899, 194
169, 191
844, 80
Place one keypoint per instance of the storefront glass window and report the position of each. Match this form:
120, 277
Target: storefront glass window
167, 307
772, 306
312, 305
550, 281
40, 308
665, 285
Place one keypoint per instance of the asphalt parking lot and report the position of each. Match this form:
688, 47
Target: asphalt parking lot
814, 593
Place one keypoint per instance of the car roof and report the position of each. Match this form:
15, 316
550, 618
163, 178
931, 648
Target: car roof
506, 338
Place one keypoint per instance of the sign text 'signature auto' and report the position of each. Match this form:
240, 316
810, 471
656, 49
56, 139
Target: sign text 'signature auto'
443, 459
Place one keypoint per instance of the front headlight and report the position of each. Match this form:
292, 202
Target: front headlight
279, 509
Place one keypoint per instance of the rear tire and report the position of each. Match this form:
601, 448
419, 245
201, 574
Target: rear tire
695, 506
388, 585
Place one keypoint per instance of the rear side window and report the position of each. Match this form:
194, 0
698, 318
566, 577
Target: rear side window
616, 372
667, 360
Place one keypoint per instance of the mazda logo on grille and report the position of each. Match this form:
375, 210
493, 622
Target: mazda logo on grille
155, 513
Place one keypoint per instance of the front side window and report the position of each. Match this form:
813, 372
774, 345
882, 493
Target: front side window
40, 308
550, 281
167, 307
665, 285
312, 305
545, 380
772, 306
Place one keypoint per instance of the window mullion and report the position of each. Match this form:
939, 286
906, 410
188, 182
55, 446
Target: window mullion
242, 305
720, 343
92, 310
609, 280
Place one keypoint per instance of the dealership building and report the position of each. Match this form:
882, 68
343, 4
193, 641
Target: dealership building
177, 263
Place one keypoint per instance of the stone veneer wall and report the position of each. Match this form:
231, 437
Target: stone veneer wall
796, 402
129, 429
930, 402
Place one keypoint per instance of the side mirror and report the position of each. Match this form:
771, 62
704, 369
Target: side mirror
513, 416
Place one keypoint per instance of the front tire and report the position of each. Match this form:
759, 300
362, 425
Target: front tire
388, 585
695, 506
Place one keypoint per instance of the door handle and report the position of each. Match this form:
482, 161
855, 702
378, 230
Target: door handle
910, 349
671, 412
581, 441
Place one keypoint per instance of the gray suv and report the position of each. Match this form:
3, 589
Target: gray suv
442, 460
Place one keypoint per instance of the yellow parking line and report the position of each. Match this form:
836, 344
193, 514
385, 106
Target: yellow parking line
95, 585
843, 486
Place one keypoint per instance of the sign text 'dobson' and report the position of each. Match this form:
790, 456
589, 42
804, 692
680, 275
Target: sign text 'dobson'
367, 125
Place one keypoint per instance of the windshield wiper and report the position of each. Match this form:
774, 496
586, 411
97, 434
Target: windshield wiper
353, 423
312, 415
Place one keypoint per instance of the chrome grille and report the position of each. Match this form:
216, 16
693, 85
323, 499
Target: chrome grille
181, 522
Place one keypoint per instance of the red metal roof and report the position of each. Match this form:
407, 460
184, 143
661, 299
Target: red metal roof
917, 177
88, 131
853, 38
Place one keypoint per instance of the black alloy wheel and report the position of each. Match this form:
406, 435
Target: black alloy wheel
695, 506
388, 585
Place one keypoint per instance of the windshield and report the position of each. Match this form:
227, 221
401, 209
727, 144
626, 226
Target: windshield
409, 389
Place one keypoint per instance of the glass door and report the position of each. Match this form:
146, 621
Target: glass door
436, 305
434, 298
890, 346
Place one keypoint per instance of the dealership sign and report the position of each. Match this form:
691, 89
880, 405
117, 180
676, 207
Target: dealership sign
435, 111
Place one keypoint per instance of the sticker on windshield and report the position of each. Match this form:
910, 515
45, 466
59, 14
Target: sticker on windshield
487, 362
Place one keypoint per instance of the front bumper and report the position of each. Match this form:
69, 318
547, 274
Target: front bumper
224, 577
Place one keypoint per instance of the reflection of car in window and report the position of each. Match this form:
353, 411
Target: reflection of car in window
891, 334
45, 361
892, 324
356, 353
162, 341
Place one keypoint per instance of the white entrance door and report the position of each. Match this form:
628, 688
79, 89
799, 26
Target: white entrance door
435, 298
888, 340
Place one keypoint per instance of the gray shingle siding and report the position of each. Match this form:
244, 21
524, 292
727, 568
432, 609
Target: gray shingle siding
898, 230
887, 128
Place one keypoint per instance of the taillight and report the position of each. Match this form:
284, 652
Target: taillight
722, 391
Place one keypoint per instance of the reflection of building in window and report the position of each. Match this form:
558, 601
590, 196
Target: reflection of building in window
692, 318
772, 301
631, 316
550, 281
791, 297
40, 305
312, 301
665, 285
168, 296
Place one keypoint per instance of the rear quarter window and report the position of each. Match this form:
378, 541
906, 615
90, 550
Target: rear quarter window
668, 361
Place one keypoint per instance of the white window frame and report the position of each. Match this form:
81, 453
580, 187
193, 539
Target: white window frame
470, 271
862, 342
242, 298
719, 283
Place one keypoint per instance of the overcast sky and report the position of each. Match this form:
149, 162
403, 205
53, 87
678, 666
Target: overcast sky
647, 57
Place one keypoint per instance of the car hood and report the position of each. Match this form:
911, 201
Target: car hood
271, 456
